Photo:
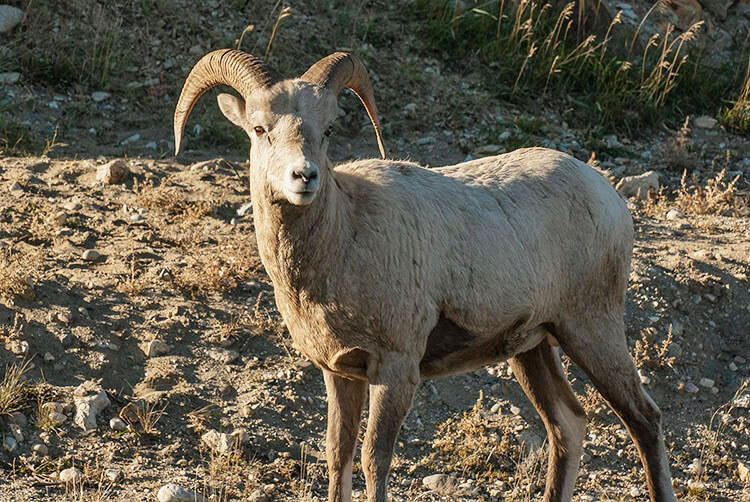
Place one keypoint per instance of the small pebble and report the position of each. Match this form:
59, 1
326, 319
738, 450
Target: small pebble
690, 388
674, 214
515, 410
706, 382
91, 255
635, 492
71, 475
245, 209
10, 444
40, 449
136, 217
173, 492
15, 187
117, 424
113, 475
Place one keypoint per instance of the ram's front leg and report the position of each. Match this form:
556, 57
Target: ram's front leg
392, 387
345, 401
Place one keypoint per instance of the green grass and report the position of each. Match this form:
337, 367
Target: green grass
535, 52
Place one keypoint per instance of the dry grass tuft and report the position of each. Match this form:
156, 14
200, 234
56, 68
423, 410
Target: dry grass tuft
677, 152
136, 281
469, 445
221, 268
162, 199
16, 271
716, 197
145, 413
651, 354
13, 387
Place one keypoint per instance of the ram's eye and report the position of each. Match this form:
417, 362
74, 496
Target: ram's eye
328, 131
259, 131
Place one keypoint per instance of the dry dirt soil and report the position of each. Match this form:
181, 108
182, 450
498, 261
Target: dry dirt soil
175, 318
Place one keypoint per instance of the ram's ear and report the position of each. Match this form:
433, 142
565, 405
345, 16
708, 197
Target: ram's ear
232, 107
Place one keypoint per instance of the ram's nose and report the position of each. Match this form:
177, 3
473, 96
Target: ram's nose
306, 172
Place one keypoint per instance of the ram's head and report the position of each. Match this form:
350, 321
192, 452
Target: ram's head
288, 122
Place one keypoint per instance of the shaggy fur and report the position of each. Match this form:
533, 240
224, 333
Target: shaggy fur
390, 272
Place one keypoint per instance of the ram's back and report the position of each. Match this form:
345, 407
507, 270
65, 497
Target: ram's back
507, 241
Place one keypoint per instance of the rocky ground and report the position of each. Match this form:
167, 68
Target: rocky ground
139, 331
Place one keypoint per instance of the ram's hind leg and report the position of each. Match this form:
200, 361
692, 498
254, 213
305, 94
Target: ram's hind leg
598, 347
541, 375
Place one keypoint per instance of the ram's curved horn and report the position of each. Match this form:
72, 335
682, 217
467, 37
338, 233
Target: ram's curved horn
237, 69
342, 70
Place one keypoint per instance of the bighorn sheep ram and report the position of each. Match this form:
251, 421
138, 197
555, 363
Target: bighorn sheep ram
386, 272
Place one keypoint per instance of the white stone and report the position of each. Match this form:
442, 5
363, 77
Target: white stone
113, 172
113, 475
706, 382
71, 475
91, 255
173, 492
9, 17
130, 139
117, 424
675, 214
705, 122
638, 186
40, 449
90, 400
245, 209
438, 482
99, 96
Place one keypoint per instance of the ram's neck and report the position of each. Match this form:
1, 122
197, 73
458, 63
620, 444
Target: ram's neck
301, 245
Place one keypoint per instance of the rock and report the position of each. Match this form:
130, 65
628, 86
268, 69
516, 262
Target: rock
705, 122
635, 492
732, 366
245, 209
505, 135
638, 186
71, 475
222, 443
73, 205
113, 475
10, 77
90, 400
439, 482
743, 401
136, 217
743, 8
611, 141
706, 382
130, 139
690, 388
489, 149
113, 172
57, 418
52, 407
743, 472
16, 431
99, 96
17, 418
9, 17
40, 449
15, 187
645, 380
515, 410
675, 214
718, 8
157, 348
117, 424
91, 255
10, 444
173, 492
684, 13
259, 495
223, 355
410, 110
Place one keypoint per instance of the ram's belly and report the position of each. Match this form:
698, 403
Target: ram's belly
452, 349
